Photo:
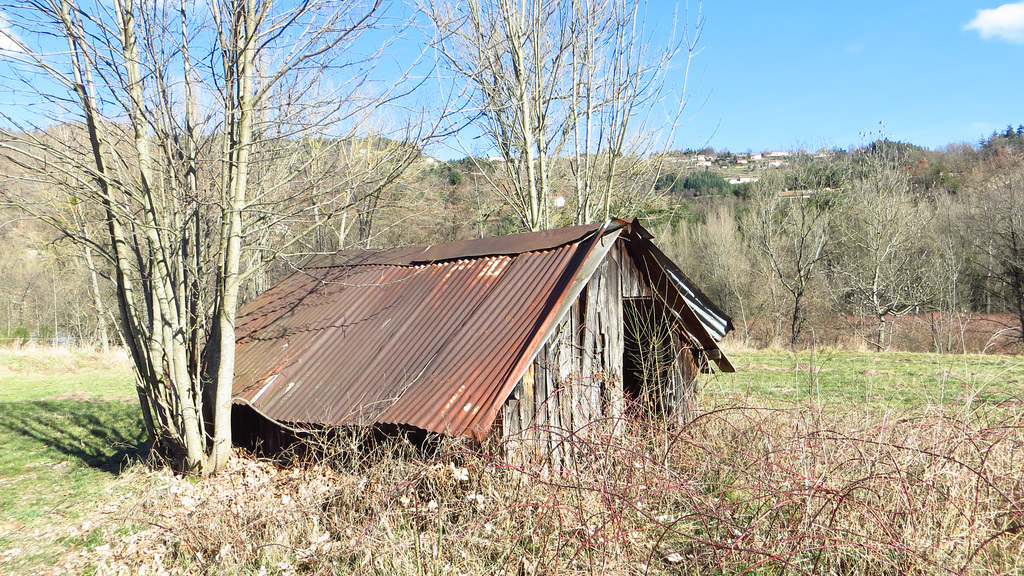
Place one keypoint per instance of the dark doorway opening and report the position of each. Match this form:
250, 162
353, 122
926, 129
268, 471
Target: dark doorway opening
647, 353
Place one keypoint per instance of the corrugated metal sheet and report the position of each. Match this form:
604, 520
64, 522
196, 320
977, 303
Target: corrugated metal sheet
432, 337
429, 345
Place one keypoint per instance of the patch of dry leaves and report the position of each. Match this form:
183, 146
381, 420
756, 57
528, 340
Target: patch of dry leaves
175, 523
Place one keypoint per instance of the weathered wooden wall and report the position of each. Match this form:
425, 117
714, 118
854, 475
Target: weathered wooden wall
575, 382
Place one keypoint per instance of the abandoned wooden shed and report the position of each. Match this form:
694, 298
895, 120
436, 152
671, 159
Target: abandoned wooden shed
520, 337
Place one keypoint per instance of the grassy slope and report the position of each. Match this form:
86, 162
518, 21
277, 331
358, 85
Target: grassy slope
67, 426
42, 373
891, 380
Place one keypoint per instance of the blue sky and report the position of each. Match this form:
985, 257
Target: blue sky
781, 75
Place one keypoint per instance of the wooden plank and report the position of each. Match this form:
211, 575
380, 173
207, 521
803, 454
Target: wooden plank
611, 332
594, 372
511, 435
554, 401
583, 379
543, 409
511, 425
632, 285
527, 410
591, 345
566, 375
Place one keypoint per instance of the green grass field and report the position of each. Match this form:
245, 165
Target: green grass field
45, 373
889, 380
68, 425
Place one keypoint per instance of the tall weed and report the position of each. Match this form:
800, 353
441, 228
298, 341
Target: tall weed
743, 488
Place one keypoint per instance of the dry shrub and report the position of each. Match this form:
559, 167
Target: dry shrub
742, 488
939, 332
850, 491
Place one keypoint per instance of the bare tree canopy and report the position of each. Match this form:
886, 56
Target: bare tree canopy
792, 235
189, 144
573, 96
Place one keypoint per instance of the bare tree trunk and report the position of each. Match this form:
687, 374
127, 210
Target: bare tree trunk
97, 300
154, 176
169, 346
240, 107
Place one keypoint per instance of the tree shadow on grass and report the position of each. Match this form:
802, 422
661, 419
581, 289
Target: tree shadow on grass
103, 435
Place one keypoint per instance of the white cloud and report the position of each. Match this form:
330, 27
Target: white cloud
1003, 23
9, 41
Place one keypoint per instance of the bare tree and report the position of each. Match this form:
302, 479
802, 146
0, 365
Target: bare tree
792, 232
45, 290
713, 254
997, 224
878, 268
948, 274
569, 93
196, 120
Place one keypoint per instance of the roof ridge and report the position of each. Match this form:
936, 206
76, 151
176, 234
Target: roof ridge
457, 250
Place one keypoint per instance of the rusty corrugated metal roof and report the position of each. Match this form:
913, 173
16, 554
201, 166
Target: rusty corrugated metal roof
433, 337
427, 345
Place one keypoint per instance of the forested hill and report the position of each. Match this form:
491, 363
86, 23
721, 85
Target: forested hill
885, 245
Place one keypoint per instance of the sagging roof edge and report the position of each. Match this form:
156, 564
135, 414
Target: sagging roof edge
298, 428
243, 402
722, 322
669, 277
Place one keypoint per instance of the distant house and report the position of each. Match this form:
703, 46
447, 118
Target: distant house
523, 337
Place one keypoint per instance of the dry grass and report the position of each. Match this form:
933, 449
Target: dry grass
34, 372
742, 489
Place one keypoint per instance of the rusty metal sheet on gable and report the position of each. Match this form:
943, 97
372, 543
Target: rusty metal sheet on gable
702, 320
429, 345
